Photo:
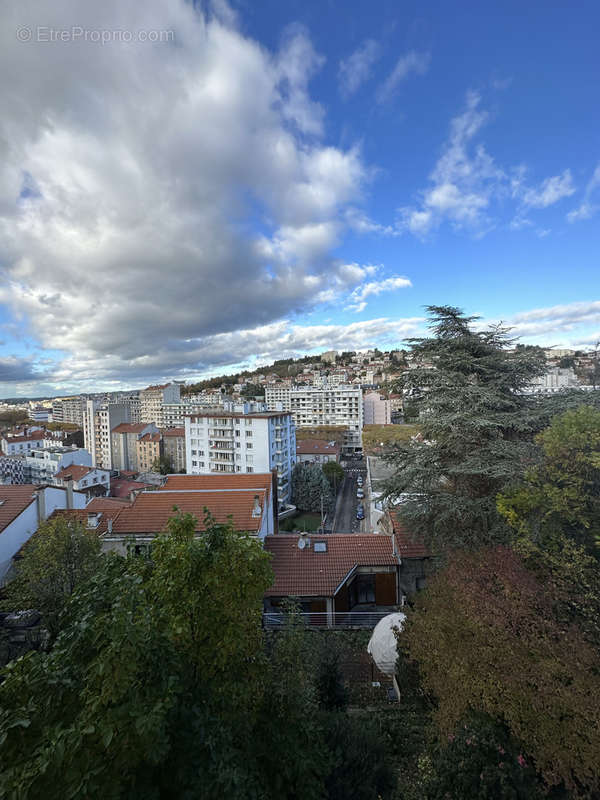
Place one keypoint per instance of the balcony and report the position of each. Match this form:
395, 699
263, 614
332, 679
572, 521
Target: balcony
274, 620
220, 433
220, 444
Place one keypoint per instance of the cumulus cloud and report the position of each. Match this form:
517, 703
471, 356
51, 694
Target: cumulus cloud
587, 209
463, 180
411, 62
154, 195
372, 288
558, 321
21, 370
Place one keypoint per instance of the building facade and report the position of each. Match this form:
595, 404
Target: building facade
234, 442
312, 405
153, 399
98, 422
376, 409
174, 447
42, 465
149, 450
124, 444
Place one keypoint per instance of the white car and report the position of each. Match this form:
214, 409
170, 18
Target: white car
360, 494
359, 480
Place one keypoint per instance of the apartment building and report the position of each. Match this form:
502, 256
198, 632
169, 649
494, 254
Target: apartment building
42, 465
124, 444
152, 400
149, 450
12, 469
313, 405
174, 414
23, 445
174, 447
232, 442
90, 480
68, 409
376, 409
99, 419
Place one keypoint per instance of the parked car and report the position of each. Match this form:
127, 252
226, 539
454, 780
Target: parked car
360, 512
360, 494
359, 480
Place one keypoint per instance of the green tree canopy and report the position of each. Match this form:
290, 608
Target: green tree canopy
57, 558
310, 487
477, 428
334, 474
561, 496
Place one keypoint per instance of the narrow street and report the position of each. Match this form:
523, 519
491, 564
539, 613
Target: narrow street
345, 511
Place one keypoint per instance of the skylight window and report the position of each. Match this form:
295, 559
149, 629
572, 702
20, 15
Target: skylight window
320, 547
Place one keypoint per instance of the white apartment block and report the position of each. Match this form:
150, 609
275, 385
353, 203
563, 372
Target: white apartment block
376, 409
153, 399
68, 409
232, 442
42, 465
22, 445
312, 405
174, 414
555, 379
98, 422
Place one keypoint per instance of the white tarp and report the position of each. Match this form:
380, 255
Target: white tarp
382, 645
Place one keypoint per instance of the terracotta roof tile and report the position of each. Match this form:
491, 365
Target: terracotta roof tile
150, 437
306, 573
129, 427
81, 515
241, 480
150, 511
119, 488
73, 472
316, 446
173, 432
408, 545
13, 501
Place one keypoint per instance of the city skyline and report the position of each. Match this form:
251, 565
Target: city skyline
353, 171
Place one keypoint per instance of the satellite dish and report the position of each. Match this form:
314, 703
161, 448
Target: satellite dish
301, 543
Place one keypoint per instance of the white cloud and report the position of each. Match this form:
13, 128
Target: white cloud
359, 296
411, 62
356, 69
129, 205
563, 323
550, 191
587, 209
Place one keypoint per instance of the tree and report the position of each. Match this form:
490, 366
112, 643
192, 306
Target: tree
156, 679
163, 465
334, 474
253, 390
310, 488
481, 760
561, 496
477, 429
56, 559
486, 638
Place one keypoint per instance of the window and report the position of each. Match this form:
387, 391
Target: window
194, 463
248, 433
194, 452
249, 469
248, 445
320, 547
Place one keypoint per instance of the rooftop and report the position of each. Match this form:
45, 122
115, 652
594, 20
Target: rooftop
129, 427
75, 472
13, 501
409, 546
307, 573
317, 446
173, 432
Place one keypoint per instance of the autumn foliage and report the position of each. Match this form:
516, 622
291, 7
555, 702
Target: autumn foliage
487, 639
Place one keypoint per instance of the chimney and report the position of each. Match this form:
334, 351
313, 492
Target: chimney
256, 509
109, 525
69, 493
41, 505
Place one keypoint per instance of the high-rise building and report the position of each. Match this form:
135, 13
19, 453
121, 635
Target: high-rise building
98, 421
232, 442
376, 409
153, 399
314, 405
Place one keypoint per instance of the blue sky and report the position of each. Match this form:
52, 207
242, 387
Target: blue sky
272, 178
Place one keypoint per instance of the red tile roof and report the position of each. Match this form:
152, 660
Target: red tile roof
173, 432
119, 488
150, 511
150, 437
106, 503
30, 437
304, 573
81, 515
316, 446
13, 501
241, 480
408, 545
74, 472
129, 427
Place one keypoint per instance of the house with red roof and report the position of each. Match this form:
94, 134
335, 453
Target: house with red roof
91, 480
317, 451
414, 553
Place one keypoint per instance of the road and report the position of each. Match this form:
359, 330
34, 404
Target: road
345, 511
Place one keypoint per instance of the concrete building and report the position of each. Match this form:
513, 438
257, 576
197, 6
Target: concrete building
22, 509
98, 422
329, 356
23, 445
42, 465
124, 444
376, 409
316, 451
174, 414
12, 469
92, 481
149, 450
174, 447
68, 409
556, 378
152, 400
233, 442
327, 405
40, 414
